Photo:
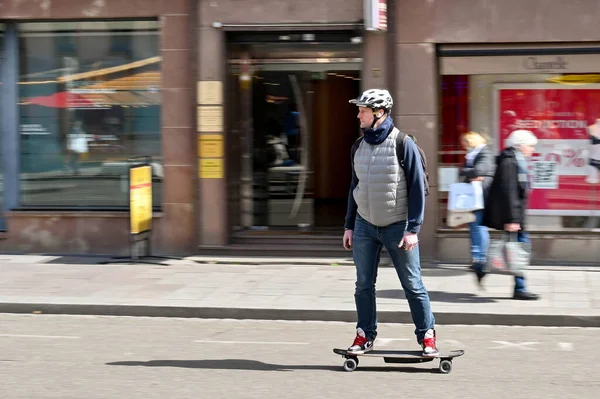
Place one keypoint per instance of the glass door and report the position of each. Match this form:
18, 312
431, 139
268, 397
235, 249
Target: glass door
290, 132
281, 167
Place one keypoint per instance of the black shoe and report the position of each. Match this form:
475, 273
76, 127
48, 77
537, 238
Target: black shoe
526, 296
480, 275
476, 268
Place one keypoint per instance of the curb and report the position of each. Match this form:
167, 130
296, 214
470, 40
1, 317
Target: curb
297, 314
249, 261
385, 262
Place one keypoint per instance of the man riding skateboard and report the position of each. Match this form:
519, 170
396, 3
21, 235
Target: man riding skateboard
386, 205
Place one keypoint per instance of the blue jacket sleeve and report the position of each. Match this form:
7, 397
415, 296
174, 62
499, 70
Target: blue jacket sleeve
413, 169
352, 207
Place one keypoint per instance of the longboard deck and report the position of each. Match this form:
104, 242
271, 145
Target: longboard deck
396, 354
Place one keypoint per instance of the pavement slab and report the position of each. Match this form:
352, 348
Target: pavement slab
570, 296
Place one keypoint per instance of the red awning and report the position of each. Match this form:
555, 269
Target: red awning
62, 99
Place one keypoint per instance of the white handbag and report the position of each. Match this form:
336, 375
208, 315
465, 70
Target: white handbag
465, 197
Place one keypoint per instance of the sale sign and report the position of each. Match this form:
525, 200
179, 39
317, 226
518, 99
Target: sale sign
559, 117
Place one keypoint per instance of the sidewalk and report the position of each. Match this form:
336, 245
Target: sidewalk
283, 289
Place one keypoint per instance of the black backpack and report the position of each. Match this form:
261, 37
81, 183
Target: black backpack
400, 154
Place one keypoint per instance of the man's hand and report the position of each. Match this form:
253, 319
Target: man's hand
512, 227
348, 235
409, 241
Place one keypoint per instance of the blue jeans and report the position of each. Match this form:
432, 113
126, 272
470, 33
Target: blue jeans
367, 245
480, 238
520, 281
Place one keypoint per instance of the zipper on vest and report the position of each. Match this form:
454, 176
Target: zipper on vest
369, 202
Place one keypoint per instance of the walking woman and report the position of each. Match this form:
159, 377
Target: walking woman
506, 206
478, 166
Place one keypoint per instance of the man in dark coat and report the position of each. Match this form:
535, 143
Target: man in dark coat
506, 204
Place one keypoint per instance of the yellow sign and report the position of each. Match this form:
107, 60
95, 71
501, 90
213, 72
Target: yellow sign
210, 119
211, 168
140, 198
210, 92
210, 145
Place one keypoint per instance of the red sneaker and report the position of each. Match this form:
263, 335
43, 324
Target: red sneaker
361, 344
429, 344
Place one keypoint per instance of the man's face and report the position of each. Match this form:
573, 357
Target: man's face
527, 150
366, 117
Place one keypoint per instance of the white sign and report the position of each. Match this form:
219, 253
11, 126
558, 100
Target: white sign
571, 156
446, 177
490, 65
545, 175
33, 129
375, 15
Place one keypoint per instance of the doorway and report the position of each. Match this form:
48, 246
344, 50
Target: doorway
290, 130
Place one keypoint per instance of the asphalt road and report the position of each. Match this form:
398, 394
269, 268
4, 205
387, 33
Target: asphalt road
72, 357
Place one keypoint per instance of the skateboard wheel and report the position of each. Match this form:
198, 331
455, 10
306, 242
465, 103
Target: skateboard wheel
445, 366
350, 364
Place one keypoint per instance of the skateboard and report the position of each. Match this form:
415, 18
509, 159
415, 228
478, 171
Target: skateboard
391, 356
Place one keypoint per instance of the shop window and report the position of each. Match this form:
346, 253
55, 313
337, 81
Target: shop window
89, 102
2, 133
558, 99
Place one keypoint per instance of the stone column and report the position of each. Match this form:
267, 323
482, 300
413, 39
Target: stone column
416, 98
212, 194
178, 232
374, 71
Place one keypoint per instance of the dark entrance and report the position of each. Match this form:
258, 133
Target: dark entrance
290, 129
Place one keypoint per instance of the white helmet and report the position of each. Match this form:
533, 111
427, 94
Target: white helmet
375, 99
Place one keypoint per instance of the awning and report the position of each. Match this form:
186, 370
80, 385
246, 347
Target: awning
62, 99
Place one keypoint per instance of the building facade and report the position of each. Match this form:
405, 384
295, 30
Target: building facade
242, 108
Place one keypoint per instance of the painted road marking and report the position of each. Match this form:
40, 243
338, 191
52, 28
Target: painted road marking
203, 341
565, 346
519, 345
39, 336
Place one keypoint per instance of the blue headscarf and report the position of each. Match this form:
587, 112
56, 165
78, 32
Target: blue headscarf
380, 133
523, 165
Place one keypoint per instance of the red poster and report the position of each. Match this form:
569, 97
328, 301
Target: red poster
565, 167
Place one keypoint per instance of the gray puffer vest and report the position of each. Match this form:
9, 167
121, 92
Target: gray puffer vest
381, 193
